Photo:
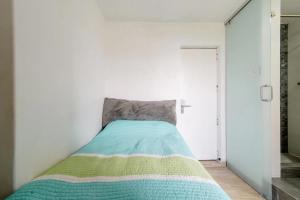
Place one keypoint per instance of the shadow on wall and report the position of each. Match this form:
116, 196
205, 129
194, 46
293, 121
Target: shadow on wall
6, 103
293, 87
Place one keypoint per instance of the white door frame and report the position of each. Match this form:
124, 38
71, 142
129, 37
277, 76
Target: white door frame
220, 115
275, 82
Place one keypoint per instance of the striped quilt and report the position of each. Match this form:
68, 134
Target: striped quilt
127, 160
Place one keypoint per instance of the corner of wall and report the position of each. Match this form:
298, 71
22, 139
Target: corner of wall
7, 98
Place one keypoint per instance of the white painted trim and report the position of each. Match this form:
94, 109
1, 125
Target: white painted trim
221, 76
219, 106
275, 82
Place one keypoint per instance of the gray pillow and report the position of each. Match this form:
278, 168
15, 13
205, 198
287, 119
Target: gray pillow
115, 109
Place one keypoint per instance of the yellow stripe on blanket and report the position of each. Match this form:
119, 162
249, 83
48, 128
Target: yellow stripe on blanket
89, 166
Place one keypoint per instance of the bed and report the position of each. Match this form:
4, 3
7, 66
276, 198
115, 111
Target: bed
129, 159
139, 154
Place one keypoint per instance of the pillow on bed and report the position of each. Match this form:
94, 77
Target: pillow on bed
115, 109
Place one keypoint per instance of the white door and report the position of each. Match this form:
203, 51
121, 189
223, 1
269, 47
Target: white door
199, 90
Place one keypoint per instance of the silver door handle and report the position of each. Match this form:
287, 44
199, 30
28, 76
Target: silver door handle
183, 107
186, 106
262, 93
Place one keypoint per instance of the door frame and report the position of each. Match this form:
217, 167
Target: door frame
220, 115
275, 82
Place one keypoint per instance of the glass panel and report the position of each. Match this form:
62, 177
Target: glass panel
248, 117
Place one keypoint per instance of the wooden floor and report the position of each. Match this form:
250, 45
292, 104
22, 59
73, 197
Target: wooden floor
235, 187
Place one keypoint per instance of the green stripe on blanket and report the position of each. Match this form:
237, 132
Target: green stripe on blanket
91, 166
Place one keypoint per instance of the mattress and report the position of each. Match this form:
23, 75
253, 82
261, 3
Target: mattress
127, 160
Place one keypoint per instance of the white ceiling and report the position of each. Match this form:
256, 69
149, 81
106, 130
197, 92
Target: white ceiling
290, 7
169, 10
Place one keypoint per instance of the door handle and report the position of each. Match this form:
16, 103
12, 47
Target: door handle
183, 107
262, 89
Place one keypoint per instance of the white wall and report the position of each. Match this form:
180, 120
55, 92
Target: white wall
143, 59
293, 88
58, 81
67, 59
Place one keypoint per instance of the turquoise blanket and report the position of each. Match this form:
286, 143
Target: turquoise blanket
127, 160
